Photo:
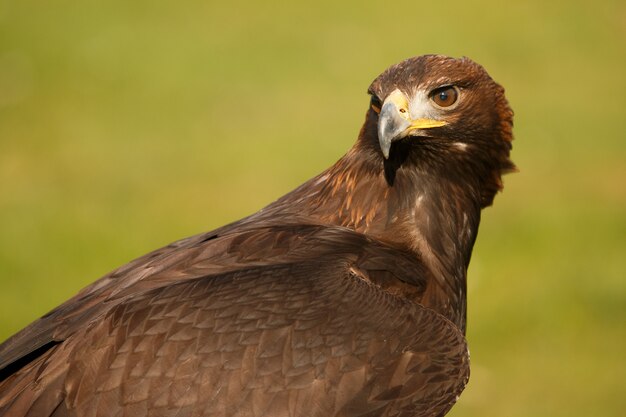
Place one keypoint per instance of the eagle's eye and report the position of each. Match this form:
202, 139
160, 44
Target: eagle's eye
445, 96
376, 104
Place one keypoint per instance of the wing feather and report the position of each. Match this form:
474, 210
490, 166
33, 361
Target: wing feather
265, 321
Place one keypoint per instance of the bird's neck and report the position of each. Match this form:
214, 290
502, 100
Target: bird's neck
423, 212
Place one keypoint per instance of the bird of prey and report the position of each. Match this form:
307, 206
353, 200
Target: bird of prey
345, 297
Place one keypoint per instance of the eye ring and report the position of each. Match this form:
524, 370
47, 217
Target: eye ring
445, 96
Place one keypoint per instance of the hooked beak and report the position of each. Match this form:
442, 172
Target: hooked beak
395, 122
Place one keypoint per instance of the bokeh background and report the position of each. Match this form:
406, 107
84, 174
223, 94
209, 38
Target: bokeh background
125, 125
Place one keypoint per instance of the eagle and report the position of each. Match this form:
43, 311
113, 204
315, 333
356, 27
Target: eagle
345, 297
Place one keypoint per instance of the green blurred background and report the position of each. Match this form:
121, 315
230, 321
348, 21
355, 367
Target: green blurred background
125, 125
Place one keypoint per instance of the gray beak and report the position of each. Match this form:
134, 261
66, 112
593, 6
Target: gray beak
391, 126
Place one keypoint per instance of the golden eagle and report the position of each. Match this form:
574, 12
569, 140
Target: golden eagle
345, 297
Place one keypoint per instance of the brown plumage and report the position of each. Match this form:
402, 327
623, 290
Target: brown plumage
345, 297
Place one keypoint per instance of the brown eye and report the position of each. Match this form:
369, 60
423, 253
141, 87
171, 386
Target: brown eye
444, 96
376, 104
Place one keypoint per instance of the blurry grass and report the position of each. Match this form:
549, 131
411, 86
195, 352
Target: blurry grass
126, 125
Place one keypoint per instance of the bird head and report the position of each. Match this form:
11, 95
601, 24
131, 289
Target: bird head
447, 109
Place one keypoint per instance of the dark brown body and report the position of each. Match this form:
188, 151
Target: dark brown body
345, 297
